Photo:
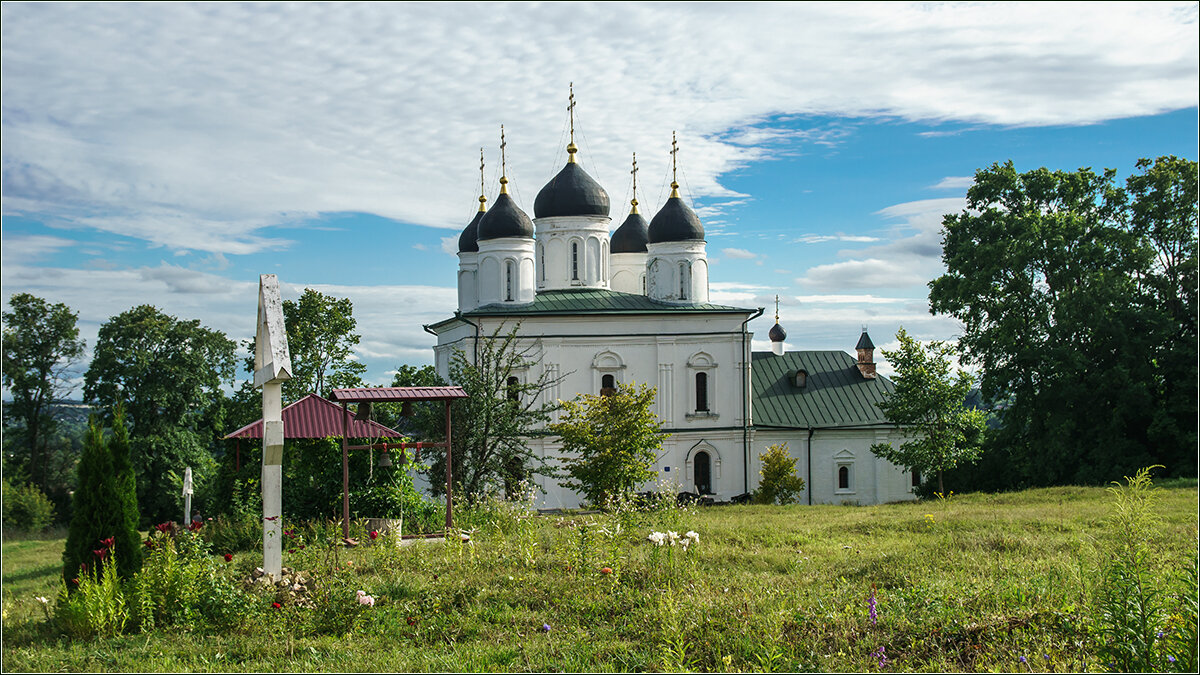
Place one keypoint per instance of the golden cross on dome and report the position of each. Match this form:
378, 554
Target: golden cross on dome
634, 172
776, 309
571, 149
503, 164
674, 180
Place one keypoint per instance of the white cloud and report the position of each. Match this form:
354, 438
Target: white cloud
205, 125
953, 183
869, 273
821, 238
738, 254
23, 249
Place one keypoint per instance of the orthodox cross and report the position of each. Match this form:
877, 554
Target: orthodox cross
571, 149
634, 172
503, 164
482, 197
776, 309
674, 152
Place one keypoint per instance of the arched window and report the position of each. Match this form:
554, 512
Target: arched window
542, 261
510, 269
682, 281
514, 389
643, 284
701, 392
608, 385
844, 478
703, 473
574, 261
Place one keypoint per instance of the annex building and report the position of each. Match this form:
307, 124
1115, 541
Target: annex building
599, 306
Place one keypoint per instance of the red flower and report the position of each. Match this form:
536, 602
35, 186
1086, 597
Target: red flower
107, 543
271, 518
100, 552
301, 547
606, 570
374, 534
228, 557
412, 621
291, 550
164, 527
276, 605
75, 581
149, 544
195, 525
83, 568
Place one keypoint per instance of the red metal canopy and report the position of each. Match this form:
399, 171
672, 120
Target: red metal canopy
385, 394
316, 417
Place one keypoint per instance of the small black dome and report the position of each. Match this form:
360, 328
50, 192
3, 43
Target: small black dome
864, 342
468, 240
504, 219
571, 193
675, 222
631, 236
777, 333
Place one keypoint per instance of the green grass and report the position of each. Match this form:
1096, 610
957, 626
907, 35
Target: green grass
968, 584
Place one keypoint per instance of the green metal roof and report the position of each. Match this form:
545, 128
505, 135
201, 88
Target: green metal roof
835, 394
599, 301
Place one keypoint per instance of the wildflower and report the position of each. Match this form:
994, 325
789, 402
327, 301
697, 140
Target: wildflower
44, 601
1171, 659
83, 567
374, 534
149, 544
1160, 634
545, 628
228, 557
1022, 659
291, 550
164, 527
108, 543
412, 621
195, 525
75, 581
100, 553
673, 536
878, 653
694, 536
276, 605
871, 608
605, 570
658, 538
301, 547
364, 599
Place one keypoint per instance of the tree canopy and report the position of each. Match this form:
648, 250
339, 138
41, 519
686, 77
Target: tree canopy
41, 345
321, 338
929, 404
610, 441
1078, 302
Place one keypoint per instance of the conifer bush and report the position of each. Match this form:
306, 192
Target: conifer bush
104, 508
779, 483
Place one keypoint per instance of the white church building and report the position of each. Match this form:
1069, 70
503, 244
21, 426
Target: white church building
598, 306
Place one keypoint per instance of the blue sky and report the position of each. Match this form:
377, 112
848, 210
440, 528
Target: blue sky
170, 153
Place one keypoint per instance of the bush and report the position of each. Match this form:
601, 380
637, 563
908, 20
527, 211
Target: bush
779, 482
395, 496
26, 509
99, 515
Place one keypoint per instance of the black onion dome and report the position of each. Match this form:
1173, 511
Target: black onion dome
675, 222
864, 342
631, 236
505, 219
777, 333
571, 193
468, 240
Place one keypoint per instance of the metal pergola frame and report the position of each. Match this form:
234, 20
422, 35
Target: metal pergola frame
394, 395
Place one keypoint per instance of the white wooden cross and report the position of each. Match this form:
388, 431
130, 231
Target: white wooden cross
187, 496
272, 365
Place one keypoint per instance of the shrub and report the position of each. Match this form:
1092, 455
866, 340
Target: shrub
226, 534
395, 496
93, 603
182, 584
779, 482
100, 509
26, 508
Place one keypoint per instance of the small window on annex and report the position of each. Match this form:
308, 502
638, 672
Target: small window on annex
510, 272
574, 261
701, 392
843, 478
608, 385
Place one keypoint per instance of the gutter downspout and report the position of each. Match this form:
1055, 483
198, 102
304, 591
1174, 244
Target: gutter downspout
458, 315
808, 451
746, 358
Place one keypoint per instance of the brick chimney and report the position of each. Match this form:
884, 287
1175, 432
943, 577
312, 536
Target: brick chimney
866, 355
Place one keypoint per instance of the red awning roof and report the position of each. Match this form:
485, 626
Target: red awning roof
316, 417
384, 394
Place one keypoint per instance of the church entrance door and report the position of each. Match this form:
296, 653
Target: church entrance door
703, 473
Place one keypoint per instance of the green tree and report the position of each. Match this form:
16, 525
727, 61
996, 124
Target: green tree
1077, 296
779, 483
168, 372
99, 513
611, 441
504, 406
321, 339
41, 345
929, 404
126, 536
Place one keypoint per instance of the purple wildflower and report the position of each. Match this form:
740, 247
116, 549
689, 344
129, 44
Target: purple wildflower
871, 611
1022, 659
545, 628
1171, 659
878, 653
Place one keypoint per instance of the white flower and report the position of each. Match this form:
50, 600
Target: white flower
658, 538
365, 599
674, 536
694, 536
44, 601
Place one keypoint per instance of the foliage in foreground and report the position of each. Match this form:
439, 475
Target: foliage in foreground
779, 483
971, 583
610, 441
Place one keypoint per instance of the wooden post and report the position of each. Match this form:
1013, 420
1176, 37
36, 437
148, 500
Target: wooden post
272, 365
449, 475
345, 473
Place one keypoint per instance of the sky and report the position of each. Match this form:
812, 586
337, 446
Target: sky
171, 153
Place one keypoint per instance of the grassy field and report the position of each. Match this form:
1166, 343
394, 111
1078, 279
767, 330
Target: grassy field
972, 583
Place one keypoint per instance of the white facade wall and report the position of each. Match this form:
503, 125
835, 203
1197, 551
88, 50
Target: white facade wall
872, 480
677, 271
468, 281
628, 273
505, 271
572, 252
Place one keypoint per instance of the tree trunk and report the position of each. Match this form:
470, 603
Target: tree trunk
941, 486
